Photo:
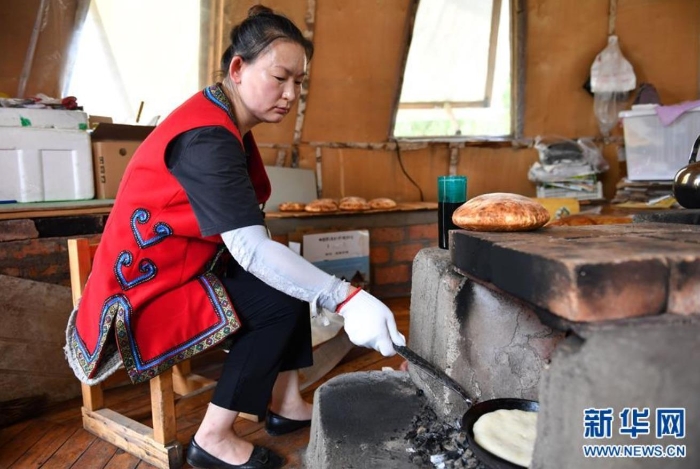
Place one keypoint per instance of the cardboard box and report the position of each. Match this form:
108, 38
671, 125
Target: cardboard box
94, 121
113, 145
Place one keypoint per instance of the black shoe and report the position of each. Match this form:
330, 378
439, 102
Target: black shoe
277, 425
262, 458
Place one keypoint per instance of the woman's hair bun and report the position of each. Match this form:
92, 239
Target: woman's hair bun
256, 10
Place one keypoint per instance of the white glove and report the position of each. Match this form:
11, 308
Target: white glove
369, 323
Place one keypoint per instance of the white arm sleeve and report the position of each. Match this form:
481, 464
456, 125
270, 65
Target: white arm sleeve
283, 269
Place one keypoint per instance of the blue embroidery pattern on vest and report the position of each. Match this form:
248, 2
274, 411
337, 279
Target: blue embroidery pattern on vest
216, 95
140, 369
146, 267
161, 229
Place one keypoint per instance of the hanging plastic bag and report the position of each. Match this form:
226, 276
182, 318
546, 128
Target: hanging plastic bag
607, 107
612, 78
593, 155
611, 72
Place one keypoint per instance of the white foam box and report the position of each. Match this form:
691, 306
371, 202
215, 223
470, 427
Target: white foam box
43, 118
655, 152
39, 165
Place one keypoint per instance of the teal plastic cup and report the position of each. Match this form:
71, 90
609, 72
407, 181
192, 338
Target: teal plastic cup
452, 192
452, 189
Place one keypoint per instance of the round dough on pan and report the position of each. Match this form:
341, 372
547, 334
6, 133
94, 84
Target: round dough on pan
508, 433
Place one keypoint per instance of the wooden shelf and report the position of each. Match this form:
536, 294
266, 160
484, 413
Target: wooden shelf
401, 207
55, 209
104, 206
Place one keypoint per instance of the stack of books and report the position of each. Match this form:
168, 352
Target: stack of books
580, 187
567, 169
647, 192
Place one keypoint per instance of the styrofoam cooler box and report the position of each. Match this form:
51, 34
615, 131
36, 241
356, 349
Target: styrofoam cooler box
655, 152
45, 118
45, 165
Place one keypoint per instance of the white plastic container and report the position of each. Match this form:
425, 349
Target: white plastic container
655, 152
45, 165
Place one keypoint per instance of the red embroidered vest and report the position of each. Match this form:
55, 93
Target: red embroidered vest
151, 288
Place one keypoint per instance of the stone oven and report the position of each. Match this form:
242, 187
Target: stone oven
600, 324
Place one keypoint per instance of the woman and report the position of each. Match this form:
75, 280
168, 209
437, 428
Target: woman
161, 289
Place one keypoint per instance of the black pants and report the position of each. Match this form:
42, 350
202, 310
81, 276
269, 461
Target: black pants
275, 336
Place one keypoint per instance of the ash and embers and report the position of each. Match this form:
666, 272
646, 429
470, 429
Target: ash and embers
432, 443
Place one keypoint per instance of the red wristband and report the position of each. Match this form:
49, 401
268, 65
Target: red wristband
342, 303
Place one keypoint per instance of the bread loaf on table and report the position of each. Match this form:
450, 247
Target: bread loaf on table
500, 211
382, 203
321, 205
353, 204
292, 207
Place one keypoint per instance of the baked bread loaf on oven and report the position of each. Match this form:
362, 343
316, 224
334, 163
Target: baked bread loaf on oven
292, 207
353, 204
382, 202
500, 211
321, 205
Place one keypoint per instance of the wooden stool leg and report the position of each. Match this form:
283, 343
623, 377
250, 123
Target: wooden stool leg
163, 407
93, 397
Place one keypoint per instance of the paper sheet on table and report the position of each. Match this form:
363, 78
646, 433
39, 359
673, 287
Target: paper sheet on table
663, 202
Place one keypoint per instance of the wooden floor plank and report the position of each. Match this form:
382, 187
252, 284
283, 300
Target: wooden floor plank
66, 413
56, 440
23, 442
40, 452
8, 433
97, 455
71, 449
124, 460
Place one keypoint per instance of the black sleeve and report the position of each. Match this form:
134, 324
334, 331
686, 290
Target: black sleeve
211, 165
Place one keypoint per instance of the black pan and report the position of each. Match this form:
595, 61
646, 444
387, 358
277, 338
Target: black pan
475, 410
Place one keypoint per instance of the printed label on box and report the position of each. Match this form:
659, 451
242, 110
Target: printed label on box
344, 254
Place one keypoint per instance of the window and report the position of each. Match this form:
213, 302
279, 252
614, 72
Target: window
134, 51
457, 78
